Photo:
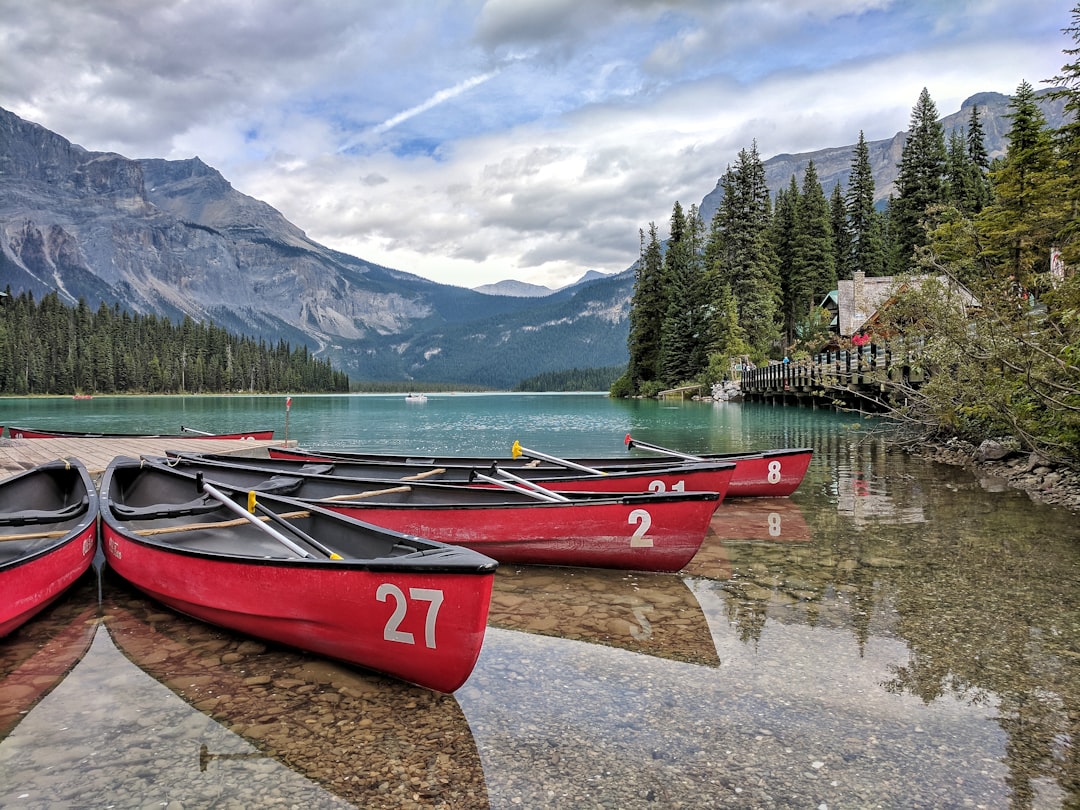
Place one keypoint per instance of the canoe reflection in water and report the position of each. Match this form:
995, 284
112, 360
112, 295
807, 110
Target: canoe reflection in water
654, 614
747, 520
35, 658
371, 740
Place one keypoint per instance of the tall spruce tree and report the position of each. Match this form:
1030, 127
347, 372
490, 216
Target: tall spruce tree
841, 233
783, 241
978, 163
920, 182
647, 308
864, 222
741, 250
1066, 184
683, 345
813, 272
1018, 233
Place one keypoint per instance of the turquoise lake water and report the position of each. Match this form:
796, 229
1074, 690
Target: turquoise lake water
896, 634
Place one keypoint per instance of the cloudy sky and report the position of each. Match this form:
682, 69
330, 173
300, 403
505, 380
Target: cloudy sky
475, 141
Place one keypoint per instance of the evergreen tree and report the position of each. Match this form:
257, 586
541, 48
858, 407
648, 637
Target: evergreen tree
740, 249
647, 309
813, 271
783, 241
978, 163
683, 333
841, 234
920, 183
1066, 183
1018, 233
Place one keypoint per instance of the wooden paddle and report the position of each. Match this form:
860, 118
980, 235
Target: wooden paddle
425, 474
33, 536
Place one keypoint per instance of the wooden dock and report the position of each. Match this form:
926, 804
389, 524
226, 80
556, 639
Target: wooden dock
22, 454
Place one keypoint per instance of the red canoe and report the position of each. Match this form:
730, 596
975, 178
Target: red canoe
32, 433
299, 575
706, 477
48, 535
764, 474
634, 531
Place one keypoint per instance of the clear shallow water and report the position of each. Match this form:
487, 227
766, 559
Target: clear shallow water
893, 635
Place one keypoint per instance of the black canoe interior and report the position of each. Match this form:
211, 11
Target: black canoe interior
374, 491
406, 473
50, 498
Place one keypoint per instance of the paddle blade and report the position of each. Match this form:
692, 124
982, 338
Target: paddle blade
515, 449
251, 501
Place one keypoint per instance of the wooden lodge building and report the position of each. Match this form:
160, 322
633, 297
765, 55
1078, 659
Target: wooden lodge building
852, 377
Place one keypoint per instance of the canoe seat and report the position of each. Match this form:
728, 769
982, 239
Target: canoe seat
199, 506
316, 469
28, 517
279, 485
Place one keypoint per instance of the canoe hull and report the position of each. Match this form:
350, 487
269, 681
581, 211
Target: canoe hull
425, 629
770, 473
401, 605
35, 571
31, 587
637, 534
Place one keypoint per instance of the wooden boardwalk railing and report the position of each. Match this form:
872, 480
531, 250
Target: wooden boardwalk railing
859, 377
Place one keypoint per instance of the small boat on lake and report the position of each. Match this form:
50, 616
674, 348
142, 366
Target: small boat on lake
187, 433
711, 476
416, 397
766, 473
48, 535
293, 573
635, 531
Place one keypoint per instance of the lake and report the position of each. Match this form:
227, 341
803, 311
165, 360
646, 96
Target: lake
896, 634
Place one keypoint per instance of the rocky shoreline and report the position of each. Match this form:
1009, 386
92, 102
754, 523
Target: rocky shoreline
998, 465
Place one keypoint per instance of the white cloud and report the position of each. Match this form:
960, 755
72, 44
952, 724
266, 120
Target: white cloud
473, 142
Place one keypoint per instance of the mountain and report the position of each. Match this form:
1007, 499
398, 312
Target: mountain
174, 238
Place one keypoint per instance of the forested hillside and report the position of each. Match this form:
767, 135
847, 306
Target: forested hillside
48, 347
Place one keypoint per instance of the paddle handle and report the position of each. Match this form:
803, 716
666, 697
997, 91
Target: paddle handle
632, 443
573, 465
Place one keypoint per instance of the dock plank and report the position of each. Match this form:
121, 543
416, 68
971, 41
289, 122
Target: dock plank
17, 455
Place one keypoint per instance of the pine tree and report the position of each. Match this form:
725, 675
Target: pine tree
783, 241
813, 272
647, 308
978, 163
920, 182
1066, 184
740, 249
841, 234
684, 338
1018, 233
